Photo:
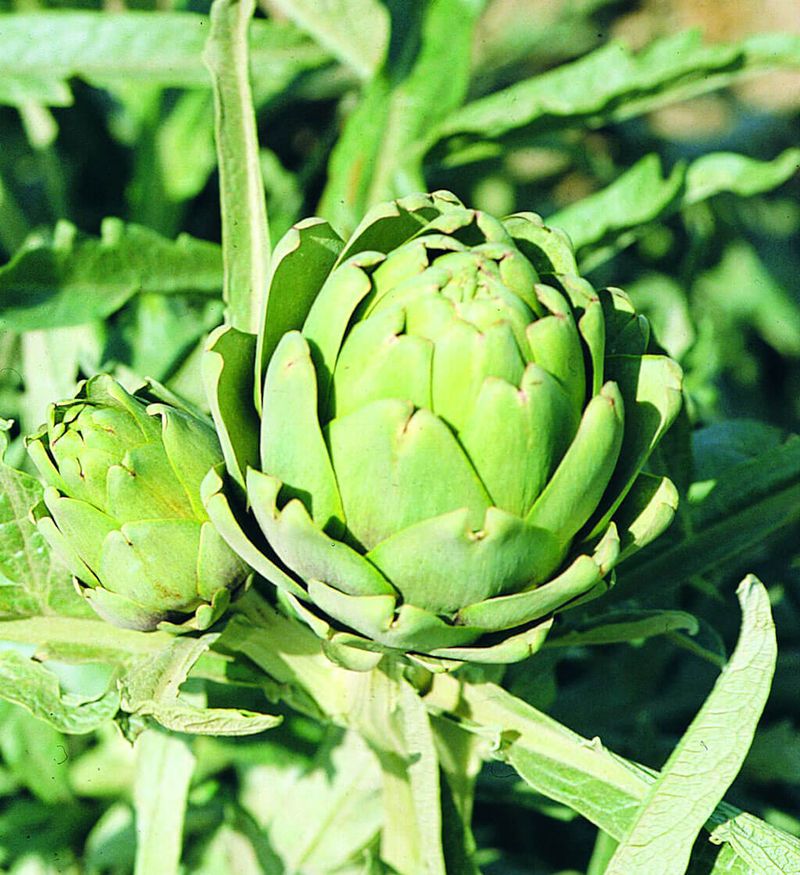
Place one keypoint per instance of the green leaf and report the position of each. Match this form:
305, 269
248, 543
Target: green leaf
461, 756
602, 223
425, 76
227, 845
32, 580
616, 627
230, 722
158, 332
151, 688
607, 789
389, 714
727, 171
41, 51
185, 145
614, 83
709, 755
742, 291
604, 848
14, 226
51, 361
422, 775
74, 639
106, 769
228, 365
164, 768
751, 845
33, 686
69, 280
36, 754
638, 196
309, 680
733, 512
245, 233
356, 32
318, 817
775, 755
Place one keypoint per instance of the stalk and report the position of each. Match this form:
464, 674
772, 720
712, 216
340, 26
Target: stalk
245, 231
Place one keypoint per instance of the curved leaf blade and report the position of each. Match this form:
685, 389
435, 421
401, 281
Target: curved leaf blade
710, 754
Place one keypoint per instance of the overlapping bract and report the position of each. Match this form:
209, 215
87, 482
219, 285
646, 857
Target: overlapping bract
453, 430
122, 507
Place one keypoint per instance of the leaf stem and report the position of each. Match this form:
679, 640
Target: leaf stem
245, 231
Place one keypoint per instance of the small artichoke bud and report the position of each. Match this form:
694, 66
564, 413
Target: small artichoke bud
122, 507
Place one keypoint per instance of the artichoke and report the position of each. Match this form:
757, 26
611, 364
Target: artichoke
122, 507
453, 427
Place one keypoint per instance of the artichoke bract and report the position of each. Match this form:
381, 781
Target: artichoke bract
122, 507
453, 427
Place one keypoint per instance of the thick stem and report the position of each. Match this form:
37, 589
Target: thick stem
245, 234
381, 705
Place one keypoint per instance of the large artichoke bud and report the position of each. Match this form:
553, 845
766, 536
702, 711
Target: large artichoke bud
453, 429
122, 507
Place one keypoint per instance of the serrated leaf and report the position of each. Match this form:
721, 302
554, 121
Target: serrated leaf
43, 50
71, 280
614, 83
709, 755
34, 687
32, 580
602, 223
151, 689
603, 787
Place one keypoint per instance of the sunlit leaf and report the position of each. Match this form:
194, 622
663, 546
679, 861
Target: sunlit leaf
41, 51
70, 280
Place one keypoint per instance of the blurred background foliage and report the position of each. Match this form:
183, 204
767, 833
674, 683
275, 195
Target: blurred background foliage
717, 276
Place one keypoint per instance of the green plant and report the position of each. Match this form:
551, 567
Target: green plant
613, 747
122, 507
453, 430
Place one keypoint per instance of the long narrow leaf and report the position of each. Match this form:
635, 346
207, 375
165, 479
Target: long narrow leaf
245, 234
710, 754
610, 791
614, 83
164, 767
41, 51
